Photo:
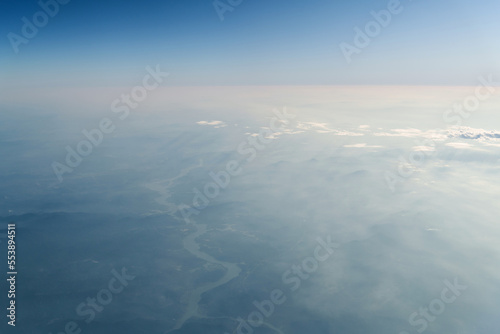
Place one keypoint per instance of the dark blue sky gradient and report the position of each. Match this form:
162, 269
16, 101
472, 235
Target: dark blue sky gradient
272, 42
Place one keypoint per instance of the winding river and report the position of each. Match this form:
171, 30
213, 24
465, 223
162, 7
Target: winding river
163, 187
232, 271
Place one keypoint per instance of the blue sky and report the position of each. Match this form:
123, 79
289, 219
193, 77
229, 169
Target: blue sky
290, 42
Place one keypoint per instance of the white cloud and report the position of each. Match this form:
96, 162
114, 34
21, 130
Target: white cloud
362, 145
424, 148
400, 133
465, 132
215, 124
348, 133
459, 145
437, 134
324, 128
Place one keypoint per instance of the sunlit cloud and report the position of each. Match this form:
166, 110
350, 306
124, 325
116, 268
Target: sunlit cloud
473, 133
215, 124
362, 145
424, 148
459, 145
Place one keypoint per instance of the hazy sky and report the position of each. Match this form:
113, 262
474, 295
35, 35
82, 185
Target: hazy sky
258, 43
